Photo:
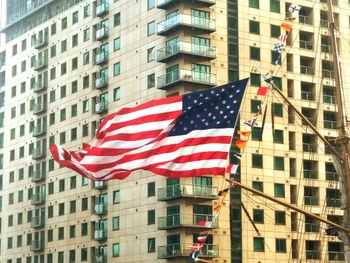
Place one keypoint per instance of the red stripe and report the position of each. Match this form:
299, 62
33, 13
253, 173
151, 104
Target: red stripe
161, 150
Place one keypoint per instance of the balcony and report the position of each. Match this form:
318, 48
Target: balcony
305, 20
310, 174
102, 33
39, 86
40, 64
40, 42
37, 245
165, 4
101, 57
185, 48
102, 8
333, 202
38, 176
99, 185
311, 200
101, 208
306, 70
198, 24
39, 130
313, 254
39, 107
332, 176
187, 220
309, 147
38, 199
326, 73
336, 256
100, 259
37, 221
101, 107
183, 250
186, 76
306, 44
100, 235
101, 82
38, 153
312, 227
191, 191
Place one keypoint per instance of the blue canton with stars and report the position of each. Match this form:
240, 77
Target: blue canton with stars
209, 109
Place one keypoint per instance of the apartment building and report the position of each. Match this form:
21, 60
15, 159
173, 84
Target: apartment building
67, 64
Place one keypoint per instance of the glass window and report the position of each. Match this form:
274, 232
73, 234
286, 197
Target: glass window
85, 132
63, 68
84, 229
116, 250
116, 197
278, 109
151, 28
255, 106
116, 44
116, 69
63, 45
75, 40
275, 31
279, 190
278, 163
255, 53
151, 4
281, 245
116, 94
151, 189
61, 209
257, 134
259, 244
151, 245
62, 114
86, 34
258, 216
117, 19
86, 11
151, 217
258, 186
86, 59
151, 54
278, 136
280, 217
53, 29
84, 204
254, 27
63, 91
86, 105
84, 254
72, 230
254, 3
151, 81
275, 6
115, 223
255, 79
75, 17
257, 160
64, 23
74, 63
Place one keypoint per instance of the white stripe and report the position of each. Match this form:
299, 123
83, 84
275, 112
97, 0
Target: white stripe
169, 107
88, 159
194, 165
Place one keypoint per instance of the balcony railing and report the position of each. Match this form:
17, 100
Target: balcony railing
311, 200
38, 198
164, 4
38, 153
309, 147
313, 254
37, 245
183, 250
39, 130
101, 82
100, 234
324, 23
101, 107
40, 42
326, 73
332, 176
193, 191
310, 174
39, 107
330, 124
164, 54
102, 8
37, 221
100, 185
101, 57
306, 70
187, 220
40, 64
333, 202
325, 48
100, 259
184, 75
336, 256
305, 19
312, 227
305, 95
329, 99
101, 208
306, 44
39, 86
102, 33
194, 22
38, 175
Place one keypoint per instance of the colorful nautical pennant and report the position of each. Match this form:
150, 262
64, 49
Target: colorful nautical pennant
201, 239
237, 155
245, 134
262, 91
278, 47
283, 38
294, 9
240, 143
232, 168
250, 123
286, 26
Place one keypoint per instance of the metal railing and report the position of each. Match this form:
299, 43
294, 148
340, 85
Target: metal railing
311, 200
102, 8
101, 82
313, 254
38, 198
333, 202
37, 221
38, 153
102, 32
189, 220
101, 208
40, 42
36, 245
306, 95
306, 70
310, 174
187, 190
39, 86
40, 63
38, 175
306, 44
101, 107
312, 227
330, 124
332, 176
336, 256
305, 19
181, 249
100, 234
101, 57
39, 107
39, 130
309, 147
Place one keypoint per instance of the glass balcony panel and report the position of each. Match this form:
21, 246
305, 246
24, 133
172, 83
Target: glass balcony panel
39, 130
306, 44
333, 202
37, 245
312, 227
196, 191
164, 4
181, 250
311, 200
37, 221
38, 198
38, 153
39, 108
100, 234
101, 208
336, 256
39, 86
306, 70
40, 42
102, 32
102, 8
329, 99
187, 220
101, 57
101, 107
330, 124
332, 176
100, 259
101, 82
38, 175
313, 254
39, 64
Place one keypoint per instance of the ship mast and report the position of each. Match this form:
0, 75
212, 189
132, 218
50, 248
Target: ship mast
343, 138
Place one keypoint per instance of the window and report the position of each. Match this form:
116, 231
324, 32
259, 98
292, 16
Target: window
86, 11
84, 229
75, 40
85, 132
254, 3
10, 220
115, 223
13, 112
259, 244
86, 105
50, 211
53, 51
84, 204
151, 4
281, 245
255, 80
84, 254
73, 182
151, 245
50, 235
74, 63
151, 54
50, 187
255, 53
275, 58
64, 23
23, 66
151, 189
116, 94
86, 34
116, 44
257, 160
53, 29
60, 257
278, 136
75, 17
280, 217
14, 50
279, 190
60, 233
63, 91
116, 197
278, 109
74, 86
116, 249
52, 73
255, 106
258, 216
62, 114
73, 134
278, 163
275, 6
85, 82
72, 255
151, 28
61, 209
116, 69
52, 118
63, 45
256, 134
72, 229
151, 81
63, 68
117, 19
24, 44
151, 217
275, 31
254, 27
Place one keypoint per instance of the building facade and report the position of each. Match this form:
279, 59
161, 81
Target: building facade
67, 64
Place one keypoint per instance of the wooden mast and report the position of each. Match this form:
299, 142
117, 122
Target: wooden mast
343, 138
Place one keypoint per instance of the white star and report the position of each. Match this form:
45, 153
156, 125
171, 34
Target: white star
212, 92
206, 98
218, 122
237, 91
203, 120
206, 124
228, 106
209, 114
222, 90
231, 96
205, 109
232, 86
195, 101
192, 121
189, 107
224, 102
216, 107
198, 115
200, 94
214, 117
225, 117
221, 112
185, 128
235, 101
217, 94
231, 111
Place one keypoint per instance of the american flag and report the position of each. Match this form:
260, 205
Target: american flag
179, 136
